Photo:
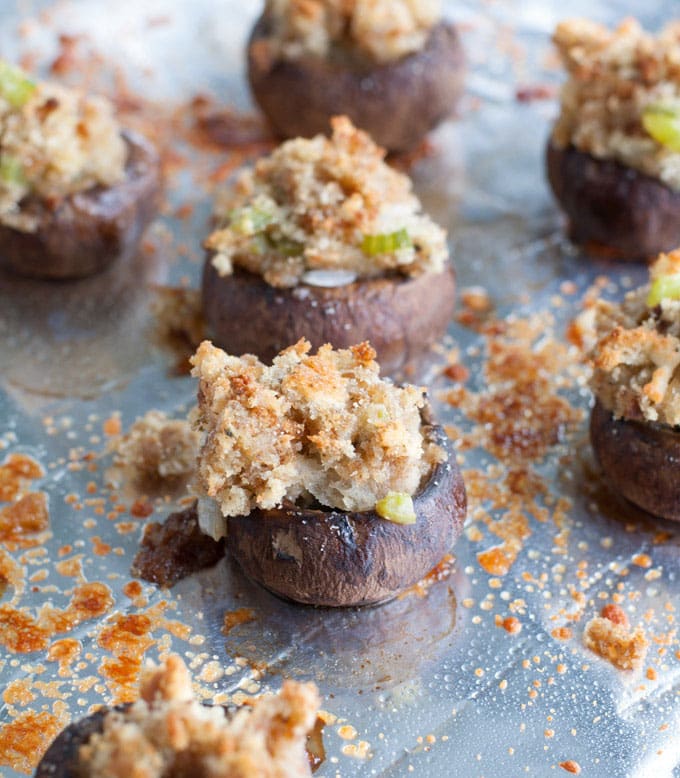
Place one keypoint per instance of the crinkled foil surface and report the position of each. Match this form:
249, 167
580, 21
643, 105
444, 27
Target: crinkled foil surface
432, 684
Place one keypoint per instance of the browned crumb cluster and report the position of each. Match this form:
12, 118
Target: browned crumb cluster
637, 351
168, 732
615, 642
613, 76
158, 448
322, 425
382, 30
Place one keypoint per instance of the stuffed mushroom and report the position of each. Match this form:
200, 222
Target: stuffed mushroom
332, 485
168, 732
323, 240
636, 360
76, 190
613, 157
395, 68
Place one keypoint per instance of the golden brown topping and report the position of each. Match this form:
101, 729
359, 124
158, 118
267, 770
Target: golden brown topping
614, 78
381, 30
167, 730
318, 425
325, 204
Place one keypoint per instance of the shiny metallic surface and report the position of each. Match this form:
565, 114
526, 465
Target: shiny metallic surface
431, 685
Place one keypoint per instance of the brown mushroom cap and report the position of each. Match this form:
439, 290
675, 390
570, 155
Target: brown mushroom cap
640, 459
85, 232
335, 558
397, 103
401, 317
631, 215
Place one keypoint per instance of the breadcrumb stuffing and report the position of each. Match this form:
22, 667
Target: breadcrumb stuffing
313, 203
625, 649
168, 732
321, 426
156, 447
59, 142
381, 30
637, 352
613, 75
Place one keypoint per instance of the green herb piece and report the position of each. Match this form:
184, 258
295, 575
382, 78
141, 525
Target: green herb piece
11, 170
396, 507
249, 220
662, 122
386, 243
15, 86
663, 288
286, 246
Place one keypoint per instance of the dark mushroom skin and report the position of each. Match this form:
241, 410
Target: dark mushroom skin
640, 460
400, 316
339, 559
61, 758
627, 214
397, 103
83, 233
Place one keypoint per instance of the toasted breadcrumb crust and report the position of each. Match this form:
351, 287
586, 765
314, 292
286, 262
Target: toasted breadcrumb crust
168, 732
61, 141
637, 352
309, 206
625, 649
318, 425
612, 77
156, 447
381, 30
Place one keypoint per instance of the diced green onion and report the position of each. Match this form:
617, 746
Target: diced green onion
11, 170
396, 507
249, 220
386, 243
663, 288
15, 86
662, 122
286, 246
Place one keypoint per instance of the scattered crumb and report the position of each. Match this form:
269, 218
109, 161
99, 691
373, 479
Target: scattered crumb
626, 650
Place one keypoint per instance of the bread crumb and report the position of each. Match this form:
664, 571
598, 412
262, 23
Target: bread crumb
614, 642
158, 448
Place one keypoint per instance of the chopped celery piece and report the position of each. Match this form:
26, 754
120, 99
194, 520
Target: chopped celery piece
386, 243
287, 247
396, 507
15, 86
249, 220
663, 288
11, 170
662, 122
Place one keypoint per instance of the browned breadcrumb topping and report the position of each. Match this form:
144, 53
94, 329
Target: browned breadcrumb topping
636, 351
156, 447
381, 30
616, 643
310, 205
60, 141
321, 425
613, 76
168, 732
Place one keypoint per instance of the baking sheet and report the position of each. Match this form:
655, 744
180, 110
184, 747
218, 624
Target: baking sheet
429, 684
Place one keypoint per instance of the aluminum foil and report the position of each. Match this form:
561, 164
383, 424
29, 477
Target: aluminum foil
426, 685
